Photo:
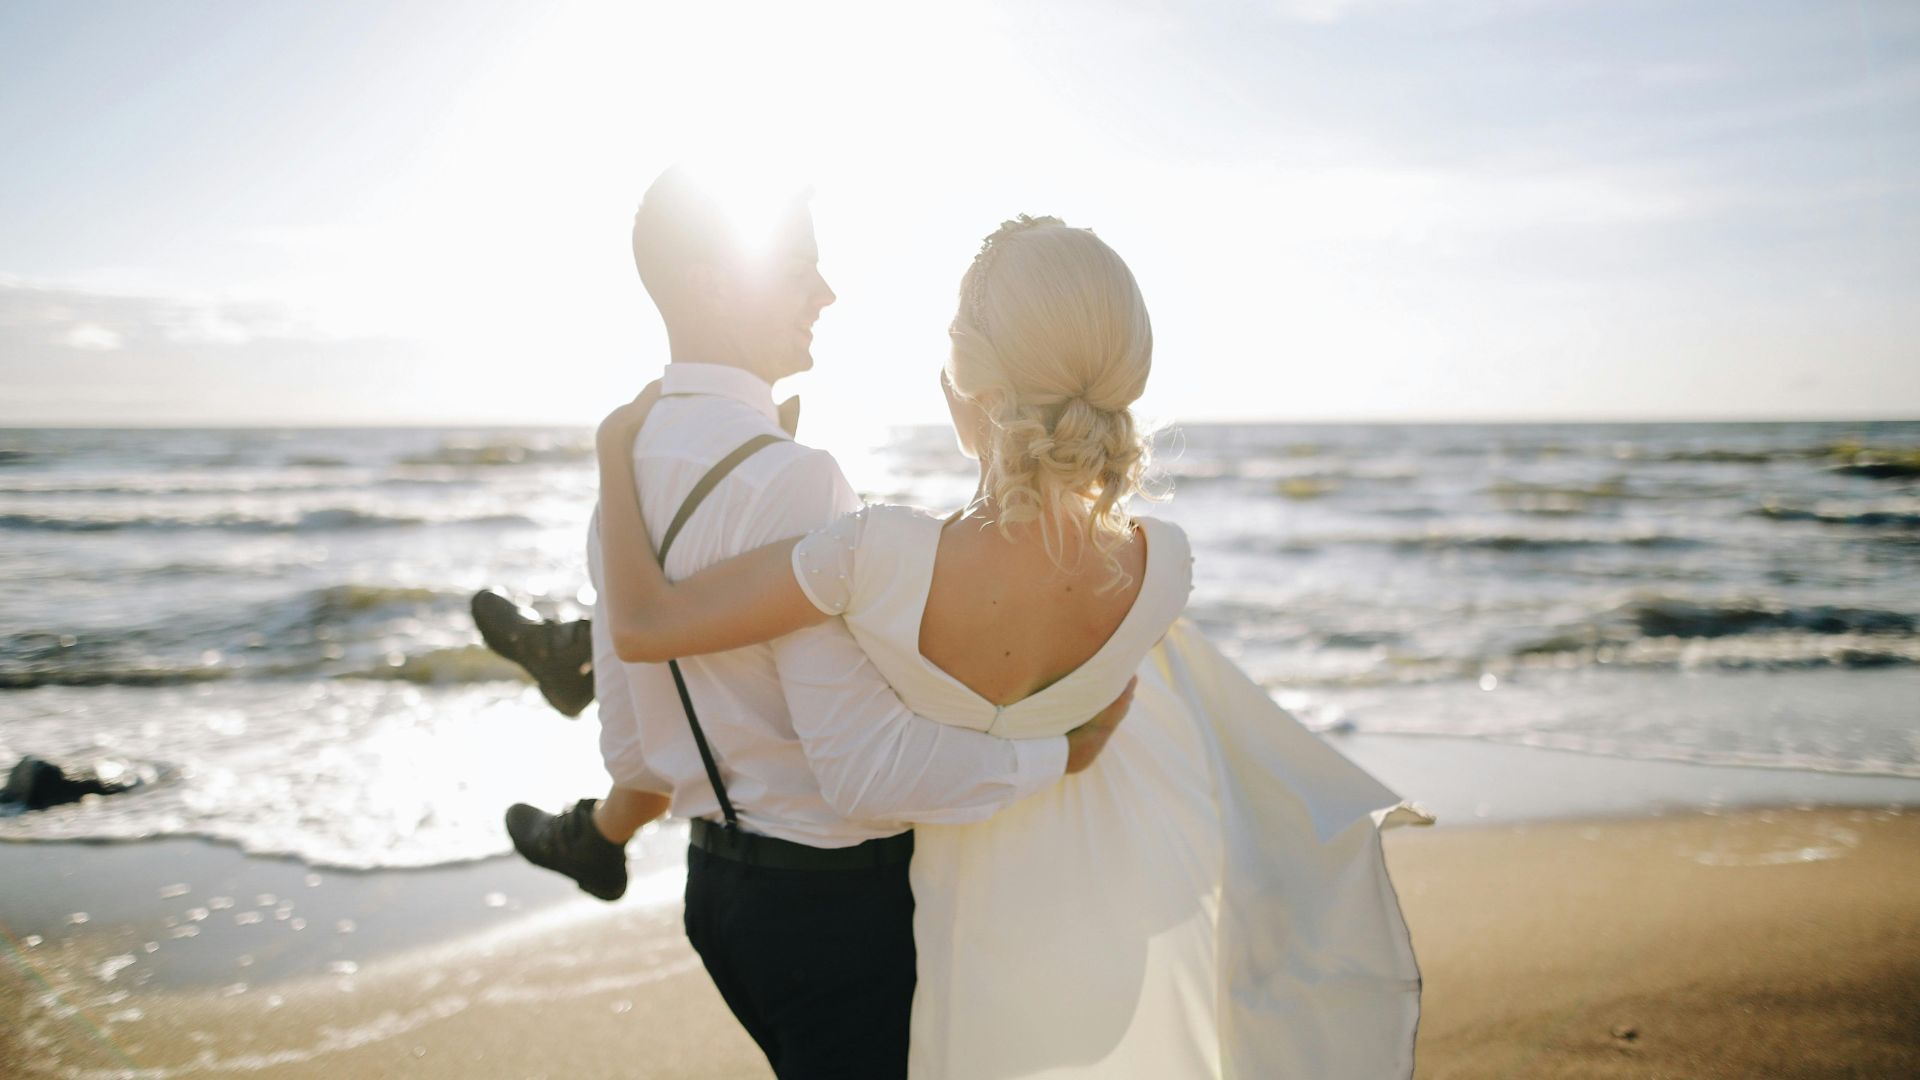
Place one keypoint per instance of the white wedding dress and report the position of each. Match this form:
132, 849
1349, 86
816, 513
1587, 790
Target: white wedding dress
1208, 899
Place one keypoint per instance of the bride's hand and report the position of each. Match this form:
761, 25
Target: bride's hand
617, 431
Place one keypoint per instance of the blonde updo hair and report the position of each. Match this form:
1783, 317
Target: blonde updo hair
1053, 342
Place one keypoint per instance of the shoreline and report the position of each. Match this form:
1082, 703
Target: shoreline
1781, 941
1469, 781
193, 912
1732, 922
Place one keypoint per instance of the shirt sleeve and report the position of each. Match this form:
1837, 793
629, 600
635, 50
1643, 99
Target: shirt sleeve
823, 563
876, 759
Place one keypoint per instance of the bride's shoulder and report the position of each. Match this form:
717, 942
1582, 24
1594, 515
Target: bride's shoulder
895, 514
1168, 547
883, 525
1161, 531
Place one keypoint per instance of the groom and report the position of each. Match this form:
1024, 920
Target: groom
802, 913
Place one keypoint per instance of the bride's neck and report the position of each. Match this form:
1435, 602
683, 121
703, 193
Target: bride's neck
983, 514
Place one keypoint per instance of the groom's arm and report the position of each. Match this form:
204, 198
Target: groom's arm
876, 759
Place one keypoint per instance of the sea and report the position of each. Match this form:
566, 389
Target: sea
270, 628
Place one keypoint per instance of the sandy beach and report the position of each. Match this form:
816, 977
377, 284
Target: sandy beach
1757, 942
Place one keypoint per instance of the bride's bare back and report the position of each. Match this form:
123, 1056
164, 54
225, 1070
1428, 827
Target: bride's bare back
1005, 621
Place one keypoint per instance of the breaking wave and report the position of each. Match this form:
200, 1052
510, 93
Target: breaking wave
499, 452
1904, 515
341, 631
443, 667
1673, 632
324, 520
1664, 616
1545, 543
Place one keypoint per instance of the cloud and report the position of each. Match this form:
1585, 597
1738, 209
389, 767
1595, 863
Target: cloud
1328, 12
69, 355
64, 318
1318, 12
92, 336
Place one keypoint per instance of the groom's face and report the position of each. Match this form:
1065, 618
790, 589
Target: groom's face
780, 300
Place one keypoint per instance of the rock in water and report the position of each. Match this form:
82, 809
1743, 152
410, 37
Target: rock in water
37, 784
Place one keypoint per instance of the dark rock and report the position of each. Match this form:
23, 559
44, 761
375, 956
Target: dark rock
1880, 470
37, 784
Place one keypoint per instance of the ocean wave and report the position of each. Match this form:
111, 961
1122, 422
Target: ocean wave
1900, 515
134, 658
1882, 470
1845, 455
323, 520
33, 678
1190, 471
1540, 542
1752, 651
454, 665
1611, 488
1361, 639
310, 633
210, 484
499, 452
1676, 632
1731, 457
1875, 462
1653, 634
1281, 471
1437, 541
442, 667
1557, 500
1663, 616
1612, 746
1304, 487
347, 599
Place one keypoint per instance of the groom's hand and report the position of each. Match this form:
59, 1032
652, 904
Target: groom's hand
617, 431
1085, 742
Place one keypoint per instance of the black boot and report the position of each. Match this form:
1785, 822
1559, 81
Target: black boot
558, 655
568, 843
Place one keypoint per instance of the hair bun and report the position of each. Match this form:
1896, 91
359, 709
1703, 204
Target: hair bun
1052, 339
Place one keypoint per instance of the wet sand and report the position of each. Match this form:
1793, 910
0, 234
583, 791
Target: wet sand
196, 960
1738, 944
1752, 944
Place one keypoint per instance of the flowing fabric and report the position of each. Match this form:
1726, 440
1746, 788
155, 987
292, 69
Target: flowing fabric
1209, 899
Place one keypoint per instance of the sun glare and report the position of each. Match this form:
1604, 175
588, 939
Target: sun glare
511, 234
874, 106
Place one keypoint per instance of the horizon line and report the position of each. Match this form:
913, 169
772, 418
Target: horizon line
1504, 421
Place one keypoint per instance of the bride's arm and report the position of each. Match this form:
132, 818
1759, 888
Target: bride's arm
745, 600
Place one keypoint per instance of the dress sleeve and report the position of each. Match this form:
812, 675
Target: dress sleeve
824, 563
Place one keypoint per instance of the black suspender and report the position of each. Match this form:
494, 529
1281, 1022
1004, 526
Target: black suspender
700, 491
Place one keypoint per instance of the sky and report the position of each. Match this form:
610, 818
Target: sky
383, 213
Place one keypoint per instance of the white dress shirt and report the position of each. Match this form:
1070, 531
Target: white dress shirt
812, 743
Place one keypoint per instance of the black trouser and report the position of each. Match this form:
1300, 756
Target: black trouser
816, 964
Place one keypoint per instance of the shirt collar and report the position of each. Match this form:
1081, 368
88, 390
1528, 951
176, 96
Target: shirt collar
719, 380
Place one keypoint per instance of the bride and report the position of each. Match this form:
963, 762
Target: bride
1209, 898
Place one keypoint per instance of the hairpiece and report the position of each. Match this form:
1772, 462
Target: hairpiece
990, 247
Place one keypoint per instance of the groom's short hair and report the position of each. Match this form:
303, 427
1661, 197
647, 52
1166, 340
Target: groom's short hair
684, 220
